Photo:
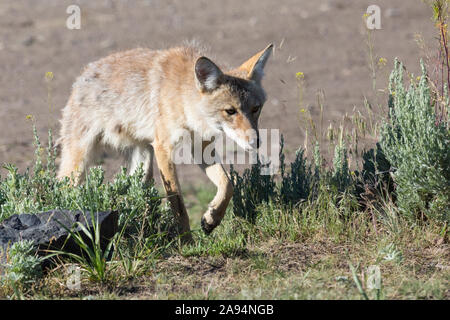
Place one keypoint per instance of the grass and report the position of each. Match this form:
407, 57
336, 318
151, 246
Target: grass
268, 260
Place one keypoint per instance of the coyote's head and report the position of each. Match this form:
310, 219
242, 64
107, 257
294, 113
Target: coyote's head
232, 100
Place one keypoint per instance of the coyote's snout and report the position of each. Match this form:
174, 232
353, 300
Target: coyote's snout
140, 101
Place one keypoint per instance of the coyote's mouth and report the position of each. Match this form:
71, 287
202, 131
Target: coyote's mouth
236, 136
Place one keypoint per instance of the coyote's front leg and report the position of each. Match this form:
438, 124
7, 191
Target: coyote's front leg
217, 207
172, 187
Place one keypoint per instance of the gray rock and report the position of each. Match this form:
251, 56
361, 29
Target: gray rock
47, 232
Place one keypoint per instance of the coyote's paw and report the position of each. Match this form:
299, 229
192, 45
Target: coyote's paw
207, 228
210, 220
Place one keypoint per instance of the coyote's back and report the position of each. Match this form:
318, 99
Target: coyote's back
116, 102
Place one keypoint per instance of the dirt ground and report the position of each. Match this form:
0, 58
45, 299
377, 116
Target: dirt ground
326, 40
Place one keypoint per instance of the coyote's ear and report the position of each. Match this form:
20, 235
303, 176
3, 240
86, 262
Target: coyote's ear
208, 75
254, 67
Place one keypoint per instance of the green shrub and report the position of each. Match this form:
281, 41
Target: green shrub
296, 184
250, 190
23, 265
376, 169
417, 147
340, 176
138, 203
302, 182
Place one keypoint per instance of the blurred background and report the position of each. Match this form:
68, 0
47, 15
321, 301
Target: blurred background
325, 40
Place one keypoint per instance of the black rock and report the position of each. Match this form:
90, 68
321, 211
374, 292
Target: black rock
47, 232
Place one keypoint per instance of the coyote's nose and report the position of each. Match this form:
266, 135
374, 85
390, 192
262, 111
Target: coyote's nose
254, 143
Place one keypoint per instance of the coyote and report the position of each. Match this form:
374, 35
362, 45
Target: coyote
140, 100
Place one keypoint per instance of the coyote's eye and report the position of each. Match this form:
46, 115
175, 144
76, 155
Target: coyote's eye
231, 111
256, 109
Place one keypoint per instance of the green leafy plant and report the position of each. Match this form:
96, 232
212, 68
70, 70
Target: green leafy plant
296, 184
22, 268
417, 147
341, 173
250, 190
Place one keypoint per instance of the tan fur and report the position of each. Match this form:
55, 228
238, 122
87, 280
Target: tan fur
249, 65
139, 101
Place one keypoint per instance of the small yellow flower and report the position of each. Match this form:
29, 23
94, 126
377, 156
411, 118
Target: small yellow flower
49, 76
382, 62
300, 75
418, 78
302, 110
29, 117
